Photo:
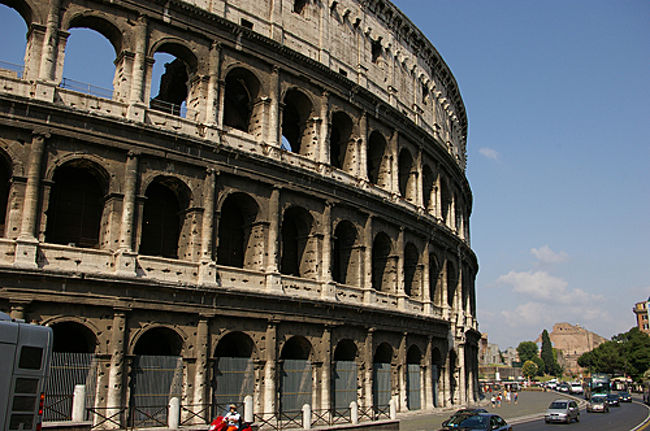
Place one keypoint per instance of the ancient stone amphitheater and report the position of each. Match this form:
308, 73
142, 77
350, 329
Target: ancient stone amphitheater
286, 216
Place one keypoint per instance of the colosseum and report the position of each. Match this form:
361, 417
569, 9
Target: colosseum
284, 218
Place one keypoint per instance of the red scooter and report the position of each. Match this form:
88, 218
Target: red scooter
220, 425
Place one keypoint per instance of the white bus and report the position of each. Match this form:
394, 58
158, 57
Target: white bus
25, 352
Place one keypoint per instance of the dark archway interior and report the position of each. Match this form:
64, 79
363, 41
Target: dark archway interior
381, 248
159, 341
235, 345
413, 356
296, 348
5, 177
161, 222
345, 351
376, 149
345, 237
72, 337
384, 354
410, 268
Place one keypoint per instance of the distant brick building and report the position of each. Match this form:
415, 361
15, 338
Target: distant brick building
572, 341
641, 311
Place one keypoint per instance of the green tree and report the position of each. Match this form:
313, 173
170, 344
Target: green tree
547, 353
529, 369
527, 350
627, 353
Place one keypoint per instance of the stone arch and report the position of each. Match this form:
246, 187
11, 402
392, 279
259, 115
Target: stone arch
345, 254
407, 175
342, 148
428, 189
452, 283
345, 374
299, 6
435, 290
233, 375
27, 10
445, 201
378, 160
158, 341
296, 126
295, 233
296, 347
412, 271
383, 265
242, 90
236, 344
163, 216
295, 374
236, 245
76, 204
346, 350
175, 83
382, 375
74, 337
99, 24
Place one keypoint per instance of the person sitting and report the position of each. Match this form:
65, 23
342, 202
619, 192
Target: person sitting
232, 418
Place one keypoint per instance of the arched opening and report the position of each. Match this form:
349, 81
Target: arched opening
381, 377
173, 69
345, 375
345, 261
413, 378
238, 213
296, 375
435, 292
296, 227
161, 219
428, 198
72, 363
342, 151
378, 163
295, 115
452, 283
242, 90
5, 185
445, 202
96, 38
383, 270
299, 6
76, 205
412, 276
407, 176
16, 19
156, 376
233, 377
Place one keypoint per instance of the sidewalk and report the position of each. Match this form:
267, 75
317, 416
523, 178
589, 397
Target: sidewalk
531, 405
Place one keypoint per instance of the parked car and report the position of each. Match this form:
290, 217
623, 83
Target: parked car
478, 422
454, 419
576, 388
612, 400
551, 384
562, 411
598, 404
625, 397
563, 387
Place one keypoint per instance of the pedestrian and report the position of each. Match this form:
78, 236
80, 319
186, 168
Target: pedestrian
508, 396
499, 399
516, 398
493, 400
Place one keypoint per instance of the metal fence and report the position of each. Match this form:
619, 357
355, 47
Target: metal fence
84, 87
413, 387
18, 69
381, 388
66, 371
295, 385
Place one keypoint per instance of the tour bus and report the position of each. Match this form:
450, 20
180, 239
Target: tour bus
25, 352
597, 384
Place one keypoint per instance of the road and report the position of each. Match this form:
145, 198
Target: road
623, 418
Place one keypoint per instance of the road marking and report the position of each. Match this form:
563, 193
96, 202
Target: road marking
646, 422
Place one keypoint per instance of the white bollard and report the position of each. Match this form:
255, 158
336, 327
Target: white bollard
393, 409
79, 403
248, 409
306, 416
354, 412
173, 419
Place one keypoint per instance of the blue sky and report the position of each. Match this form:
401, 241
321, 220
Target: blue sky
558, 99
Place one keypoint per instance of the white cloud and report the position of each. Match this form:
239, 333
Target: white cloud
489, 153
540, 285
545, 255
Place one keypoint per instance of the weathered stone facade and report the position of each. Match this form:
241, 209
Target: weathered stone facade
572, 341
311, 202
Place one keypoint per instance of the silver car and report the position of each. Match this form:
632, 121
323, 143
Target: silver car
562, 411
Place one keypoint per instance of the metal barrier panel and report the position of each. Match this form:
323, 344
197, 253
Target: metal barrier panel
345, 384
381, 388
233, 380
154, 380
66, 371
295, 384
413, 393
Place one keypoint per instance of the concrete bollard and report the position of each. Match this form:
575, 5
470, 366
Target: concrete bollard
248, 409
393, 409
79, 403
306, 416
354, 412
173, 419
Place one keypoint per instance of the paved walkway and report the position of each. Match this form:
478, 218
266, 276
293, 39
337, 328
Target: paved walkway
531, 405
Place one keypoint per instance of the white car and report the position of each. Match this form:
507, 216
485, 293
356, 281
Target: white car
576, 388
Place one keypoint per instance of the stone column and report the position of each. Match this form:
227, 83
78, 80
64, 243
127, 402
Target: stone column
462, 383
270, 386
208, 269
401, 375
201, 373
326, 270
26, 244
362, 171
394, 162
50, 47
272, 134
426, 280
324, 142
273, 280
445, 292
277, 32
368, 293
428, 375
212, 99
419, 193
138, 78
125, 260
368, 358
326, 371
222, 102
438, 208
116, 378
399, 279
33, 51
